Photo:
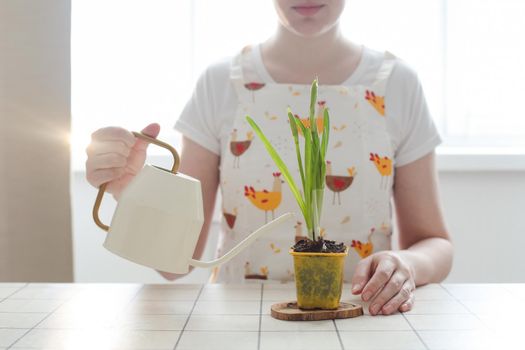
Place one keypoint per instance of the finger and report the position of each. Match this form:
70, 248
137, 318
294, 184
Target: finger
106, 161
114, 133
381, 275
103, 147
405, 296
101, 176
152, 130
361, 275
409, 304
391, 290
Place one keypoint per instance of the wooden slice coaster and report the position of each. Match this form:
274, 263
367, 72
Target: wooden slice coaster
290, 312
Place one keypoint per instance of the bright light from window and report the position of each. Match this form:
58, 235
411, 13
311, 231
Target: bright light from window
136, 61
485, 57
131, 65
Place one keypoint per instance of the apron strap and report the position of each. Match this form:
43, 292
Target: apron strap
383, 74
242, 73
236, 73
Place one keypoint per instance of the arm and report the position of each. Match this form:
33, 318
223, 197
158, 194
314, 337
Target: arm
388, 279
202, 164
423, 237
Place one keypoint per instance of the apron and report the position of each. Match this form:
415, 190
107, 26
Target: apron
359, 179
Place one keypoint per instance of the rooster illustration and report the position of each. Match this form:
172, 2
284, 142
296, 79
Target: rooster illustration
265, 200
338, 183
384, 166
319, 121
254, 86
378, 102
254, 276
321, 106
385, 229
364, 249
239, 147
299, 232
230, 217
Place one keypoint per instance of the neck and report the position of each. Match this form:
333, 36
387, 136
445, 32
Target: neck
276, 185
286, 51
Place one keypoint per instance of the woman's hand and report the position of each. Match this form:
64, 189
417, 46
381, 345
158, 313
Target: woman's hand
387, 281
115, 156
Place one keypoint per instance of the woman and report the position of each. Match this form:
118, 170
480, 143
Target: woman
381, 147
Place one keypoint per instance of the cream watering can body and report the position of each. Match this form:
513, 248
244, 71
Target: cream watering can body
159, 217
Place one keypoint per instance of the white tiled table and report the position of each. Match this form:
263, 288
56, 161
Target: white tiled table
128, 316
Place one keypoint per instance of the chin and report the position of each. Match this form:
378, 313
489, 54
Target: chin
312, 24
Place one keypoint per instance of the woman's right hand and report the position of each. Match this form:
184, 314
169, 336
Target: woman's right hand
115, 156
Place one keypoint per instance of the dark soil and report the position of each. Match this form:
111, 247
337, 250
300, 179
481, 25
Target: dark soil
318, 246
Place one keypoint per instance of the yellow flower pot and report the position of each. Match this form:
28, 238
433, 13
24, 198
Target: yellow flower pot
319, 279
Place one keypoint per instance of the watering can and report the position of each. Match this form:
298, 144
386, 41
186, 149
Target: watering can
159, 217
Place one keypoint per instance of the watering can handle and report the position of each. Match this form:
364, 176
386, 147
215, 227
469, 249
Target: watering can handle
102, 188
243, 244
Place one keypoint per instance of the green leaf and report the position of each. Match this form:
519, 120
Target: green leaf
306, 183
280, 164
326, 131
312, 169
308, 177
313, 100
293, 126
315, 188
300, 125
324, 143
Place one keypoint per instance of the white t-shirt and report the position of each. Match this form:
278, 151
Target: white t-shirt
208, 116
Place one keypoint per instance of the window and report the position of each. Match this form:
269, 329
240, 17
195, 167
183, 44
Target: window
137, 61
484, 61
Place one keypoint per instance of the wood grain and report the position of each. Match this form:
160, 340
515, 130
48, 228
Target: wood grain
289, 311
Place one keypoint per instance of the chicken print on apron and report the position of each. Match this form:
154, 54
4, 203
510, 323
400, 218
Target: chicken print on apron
359, 172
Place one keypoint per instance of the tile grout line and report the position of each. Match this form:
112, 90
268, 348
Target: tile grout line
467, 308
454, 298
415, 331
189, 316
410, 324
38, 323
53, 312
338, 335
260, 318
515, 295
7, 297
247, 331
16, 291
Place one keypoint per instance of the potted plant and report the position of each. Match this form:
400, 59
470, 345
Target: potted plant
318, 263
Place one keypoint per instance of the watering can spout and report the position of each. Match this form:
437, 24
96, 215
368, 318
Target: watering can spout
244, 243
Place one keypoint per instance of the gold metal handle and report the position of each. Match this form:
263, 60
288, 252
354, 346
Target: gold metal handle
102, 188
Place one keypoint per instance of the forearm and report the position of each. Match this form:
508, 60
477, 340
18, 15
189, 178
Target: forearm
430, 260
172, 276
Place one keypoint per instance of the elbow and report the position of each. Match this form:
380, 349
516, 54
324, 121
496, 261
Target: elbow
172, 276
447, 253
168, 276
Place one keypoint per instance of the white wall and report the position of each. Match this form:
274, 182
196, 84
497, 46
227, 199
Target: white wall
35, 104
485, 213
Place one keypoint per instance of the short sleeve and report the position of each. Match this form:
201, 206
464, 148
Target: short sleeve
198, 118
411, 126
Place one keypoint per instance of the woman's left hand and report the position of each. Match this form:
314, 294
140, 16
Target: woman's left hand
387, 281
